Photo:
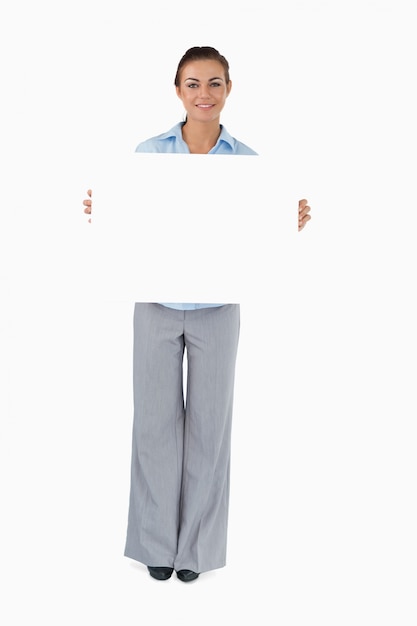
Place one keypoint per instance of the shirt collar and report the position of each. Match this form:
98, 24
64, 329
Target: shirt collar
175, 132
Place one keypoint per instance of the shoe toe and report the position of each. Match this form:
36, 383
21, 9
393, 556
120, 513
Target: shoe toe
160, 573
187, 575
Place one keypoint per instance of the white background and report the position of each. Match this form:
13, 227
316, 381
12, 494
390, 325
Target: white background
323, 511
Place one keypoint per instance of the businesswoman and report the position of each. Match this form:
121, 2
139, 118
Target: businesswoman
179, 495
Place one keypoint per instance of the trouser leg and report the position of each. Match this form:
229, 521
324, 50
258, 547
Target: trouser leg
211, 339
157, 445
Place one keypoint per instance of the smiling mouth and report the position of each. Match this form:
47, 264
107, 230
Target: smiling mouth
204, 106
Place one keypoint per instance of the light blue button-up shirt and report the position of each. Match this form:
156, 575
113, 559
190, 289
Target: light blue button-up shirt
173, 142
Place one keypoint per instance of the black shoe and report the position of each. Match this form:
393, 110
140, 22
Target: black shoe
161, 573
186, 575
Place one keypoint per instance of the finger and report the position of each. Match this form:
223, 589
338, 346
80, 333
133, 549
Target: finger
87, 210
304, 211
304, 218
303, 222
89, 192
302, 204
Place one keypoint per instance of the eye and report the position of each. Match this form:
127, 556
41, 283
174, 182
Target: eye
192, 85
215, 85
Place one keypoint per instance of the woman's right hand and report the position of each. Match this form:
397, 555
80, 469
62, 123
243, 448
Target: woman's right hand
88, 203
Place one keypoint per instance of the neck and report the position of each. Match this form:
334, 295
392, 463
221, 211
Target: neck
200, 137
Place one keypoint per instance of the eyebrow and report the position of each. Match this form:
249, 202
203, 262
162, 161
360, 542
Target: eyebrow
210, 79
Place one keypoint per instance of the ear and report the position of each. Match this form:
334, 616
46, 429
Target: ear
178, 92
229, 87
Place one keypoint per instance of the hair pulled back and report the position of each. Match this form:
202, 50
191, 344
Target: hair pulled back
202, 53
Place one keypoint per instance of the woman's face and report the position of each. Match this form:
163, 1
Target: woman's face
203, 90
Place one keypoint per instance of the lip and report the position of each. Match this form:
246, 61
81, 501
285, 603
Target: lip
205, 106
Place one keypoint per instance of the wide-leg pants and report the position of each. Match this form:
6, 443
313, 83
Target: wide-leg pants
180, 471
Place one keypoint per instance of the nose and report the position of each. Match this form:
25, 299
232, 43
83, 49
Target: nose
204, 91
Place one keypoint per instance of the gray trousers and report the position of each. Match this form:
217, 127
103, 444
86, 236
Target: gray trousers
179, 492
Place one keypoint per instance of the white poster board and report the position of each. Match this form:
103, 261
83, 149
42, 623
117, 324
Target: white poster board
190, 228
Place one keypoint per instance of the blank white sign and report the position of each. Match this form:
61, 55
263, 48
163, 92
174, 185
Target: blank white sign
190, 228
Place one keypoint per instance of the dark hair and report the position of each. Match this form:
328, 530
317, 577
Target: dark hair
202, 53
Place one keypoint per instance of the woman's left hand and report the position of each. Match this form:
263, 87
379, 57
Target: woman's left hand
303, 214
